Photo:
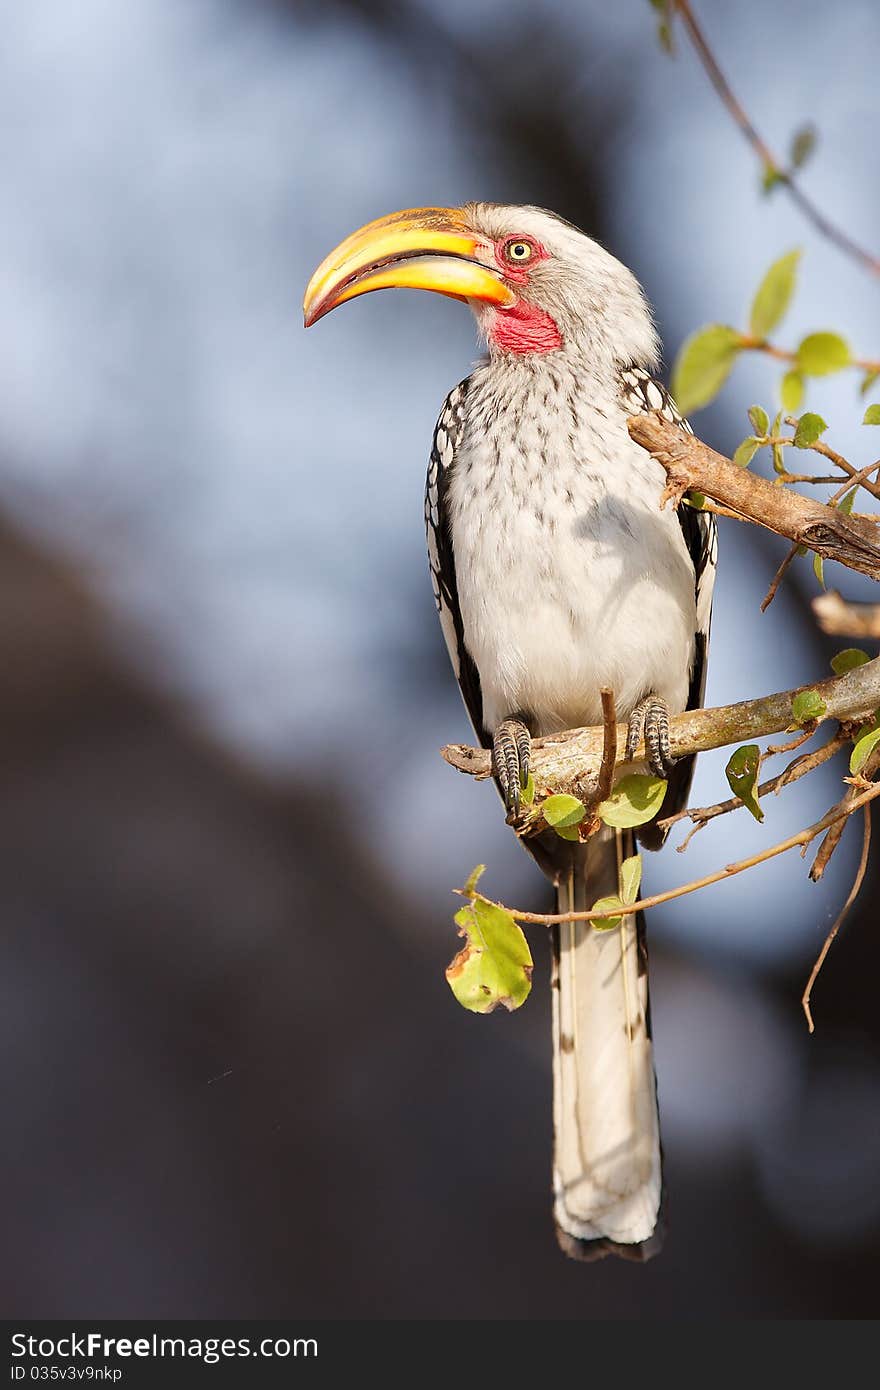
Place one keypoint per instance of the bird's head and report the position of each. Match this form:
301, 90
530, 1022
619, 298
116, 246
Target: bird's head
536, 284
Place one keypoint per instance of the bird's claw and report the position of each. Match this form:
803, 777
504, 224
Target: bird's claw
651, 719
511, 749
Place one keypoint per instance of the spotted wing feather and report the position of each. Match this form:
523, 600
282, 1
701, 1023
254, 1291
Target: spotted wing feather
441, 557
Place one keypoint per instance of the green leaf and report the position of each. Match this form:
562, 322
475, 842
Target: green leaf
865, 743
771, 177
872, 415
809, 428
606, 905
471, 886
664, 27
778, 460
819, 569
528, 792
759, 420
791, 392
635, 799
563, 812
742, 776
845, 504
746, 451
773, 295
868, 381
697, 500
820, 354
495, 965
703, 365
848, 660
566, 832
631, 878
807, 706
802, 145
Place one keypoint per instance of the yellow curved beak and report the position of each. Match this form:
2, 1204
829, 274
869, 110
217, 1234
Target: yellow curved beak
419, 249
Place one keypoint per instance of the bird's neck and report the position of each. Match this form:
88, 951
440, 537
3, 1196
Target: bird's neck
523, 330
510, 379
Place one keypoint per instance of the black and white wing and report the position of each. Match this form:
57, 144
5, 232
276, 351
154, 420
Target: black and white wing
441, 558
642, 393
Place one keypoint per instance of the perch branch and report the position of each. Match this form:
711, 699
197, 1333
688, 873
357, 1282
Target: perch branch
570, 762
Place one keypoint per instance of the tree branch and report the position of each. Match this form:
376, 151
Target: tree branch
841, 619
570, 762
859, 478
692, 465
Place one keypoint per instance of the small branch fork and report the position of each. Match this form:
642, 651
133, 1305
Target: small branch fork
823, 224
692, 466
855, 478
799, 767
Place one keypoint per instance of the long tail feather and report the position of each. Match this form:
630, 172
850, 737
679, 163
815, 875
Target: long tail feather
607, 1175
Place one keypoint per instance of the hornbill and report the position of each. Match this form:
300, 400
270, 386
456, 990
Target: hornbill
556, 573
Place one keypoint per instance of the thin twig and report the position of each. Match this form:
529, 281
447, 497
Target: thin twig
803, 837
832, 835
825, 479
797, 742
609, 745
853, 474
778, 578
853, 894
842, 240
797, 768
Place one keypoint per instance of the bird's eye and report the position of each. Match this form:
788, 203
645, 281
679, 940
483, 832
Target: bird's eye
519, 251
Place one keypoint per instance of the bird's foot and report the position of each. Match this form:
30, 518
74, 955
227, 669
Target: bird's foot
651, 718
511, 748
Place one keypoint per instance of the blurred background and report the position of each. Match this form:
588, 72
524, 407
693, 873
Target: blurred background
235, 1081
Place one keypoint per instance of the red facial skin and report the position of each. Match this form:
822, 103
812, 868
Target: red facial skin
524, 327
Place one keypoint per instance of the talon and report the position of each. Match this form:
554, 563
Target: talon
511, 746
634, 729
651, 719
524, 751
